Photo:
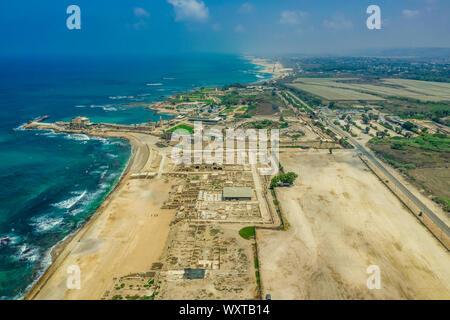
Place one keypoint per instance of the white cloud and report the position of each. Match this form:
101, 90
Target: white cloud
190, 10
142, 13
239, 28
338, 22
246, 7
140, 25
292, 17
410, 13
217, 27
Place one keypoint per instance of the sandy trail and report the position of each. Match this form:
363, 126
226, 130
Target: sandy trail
342, 219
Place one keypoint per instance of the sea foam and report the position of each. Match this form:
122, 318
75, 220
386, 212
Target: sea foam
77, 137
69, 203
45, 223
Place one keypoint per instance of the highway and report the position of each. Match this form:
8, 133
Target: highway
430, 214
423, 208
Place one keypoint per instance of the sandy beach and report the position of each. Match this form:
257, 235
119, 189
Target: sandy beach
272, 67
126, 234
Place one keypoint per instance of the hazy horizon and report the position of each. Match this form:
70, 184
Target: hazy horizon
164, 27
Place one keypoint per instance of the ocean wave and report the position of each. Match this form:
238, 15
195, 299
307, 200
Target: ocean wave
10, 239
108, 107
154, 84
77, 137
88, 199
49, 133
168, 78
76, 211
112, 176
20, 128
103, 186
45, 260
69, 203
113, 156
108, 141
103, 174
95, 172
45, 223
121, 97
101, 139
80, 106
28, 252
118, 143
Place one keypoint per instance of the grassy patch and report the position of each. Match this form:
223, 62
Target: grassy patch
431, 142
182, 126
265, 124
423, 159
247, 232
445, 202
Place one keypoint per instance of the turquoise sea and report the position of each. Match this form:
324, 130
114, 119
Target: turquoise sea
52, 183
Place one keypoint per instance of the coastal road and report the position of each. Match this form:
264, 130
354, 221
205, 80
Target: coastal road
430, 214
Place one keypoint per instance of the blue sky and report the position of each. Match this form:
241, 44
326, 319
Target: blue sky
231, 26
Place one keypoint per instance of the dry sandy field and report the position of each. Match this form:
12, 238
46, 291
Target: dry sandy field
333, 93
330, 89
342, 220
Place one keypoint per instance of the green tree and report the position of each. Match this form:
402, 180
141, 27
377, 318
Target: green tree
365, 119
409, 125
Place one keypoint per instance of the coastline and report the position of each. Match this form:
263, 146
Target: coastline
137, 161
275, 68
58, 249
